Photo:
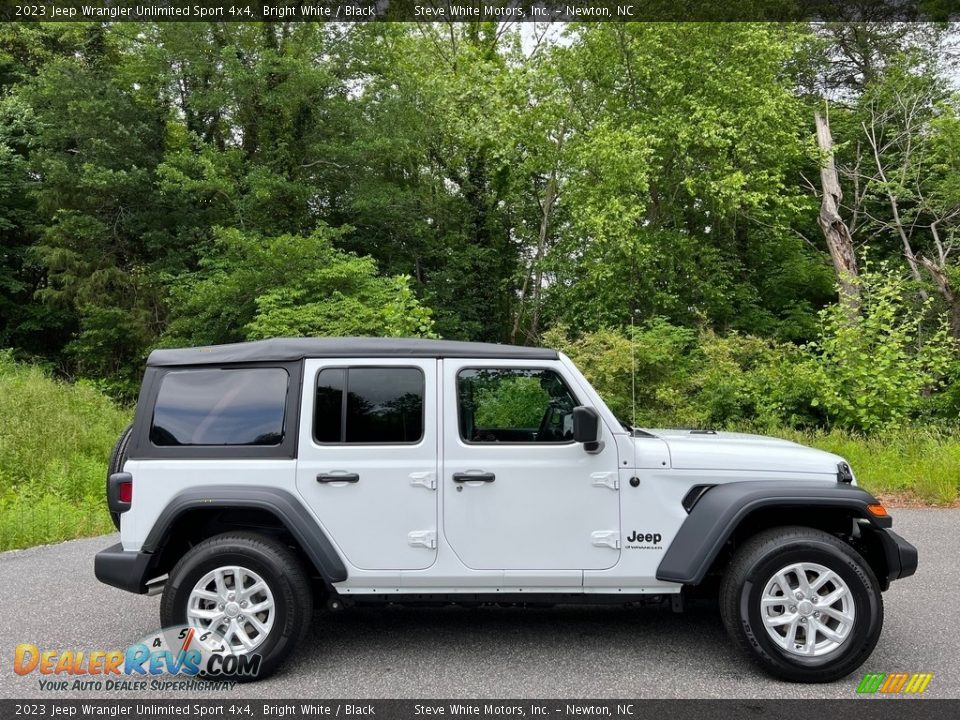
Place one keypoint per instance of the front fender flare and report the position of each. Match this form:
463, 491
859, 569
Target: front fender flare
720, 510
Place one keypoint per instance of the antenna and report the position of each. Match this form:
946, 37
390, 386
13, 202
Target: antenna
633, 389
633, 375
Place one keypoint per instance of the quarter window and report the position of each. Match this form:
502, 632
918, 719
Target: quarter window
514, 405
369, 405
220, 407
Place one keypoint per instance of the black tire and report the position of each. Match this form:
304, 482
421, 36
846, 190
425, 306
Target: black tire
755, 564
271, 560
118, 456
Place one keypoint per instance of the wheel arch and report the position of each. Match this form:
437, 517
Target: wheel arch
194, 515
729, 513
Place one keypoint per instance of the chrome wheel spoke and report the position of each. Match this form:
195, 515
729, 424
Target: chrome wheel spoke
783, 582
257, 625
204, 614
837, 615
837, 594
778, 620
241, 634
821, 580
803, 584
827, 632
791, 637
252, 590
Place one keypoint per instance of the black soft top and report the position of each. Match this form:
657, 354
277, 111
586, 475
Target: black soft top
290, 349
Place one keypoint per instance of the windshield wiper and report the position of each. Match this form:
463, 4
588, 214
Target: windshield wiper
634, 431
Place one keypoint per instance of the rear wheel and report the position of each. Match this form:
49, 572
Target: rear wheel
118, 456
803, 604
250, 590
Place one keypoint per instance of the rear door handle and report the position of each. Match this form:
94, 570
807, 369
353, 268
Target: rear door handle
462, 477
338, 477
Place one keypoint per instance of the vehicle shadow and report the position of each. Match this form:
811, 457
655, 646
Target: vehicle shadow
523, 651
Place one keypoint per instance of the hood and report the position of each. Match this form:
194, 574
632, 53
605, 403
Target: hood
710, 450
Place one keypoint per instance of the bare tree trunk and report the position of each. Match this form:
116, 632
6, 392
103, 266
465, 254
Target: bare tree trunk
835, 230
949, 294
895, 209
546, 212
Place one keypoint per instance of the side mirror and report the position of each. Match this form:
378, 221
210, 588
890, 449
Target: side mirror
586, 428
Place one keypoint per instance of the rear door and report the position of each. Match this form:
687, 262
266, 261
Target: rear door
367, 461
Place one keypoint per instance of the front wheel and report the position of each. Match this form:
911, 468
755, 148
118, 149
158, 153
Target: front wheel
804, 605
248, 589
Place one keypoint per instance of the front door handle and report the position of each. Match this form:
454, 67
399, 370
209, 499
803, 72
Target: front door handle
335, 477
462, 477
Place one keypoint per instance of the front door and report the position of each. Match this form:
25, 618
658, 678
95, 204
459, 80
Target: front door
367, 463
519, 493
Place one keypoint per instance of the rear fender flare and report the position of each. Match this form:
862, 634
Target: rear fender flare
281, 503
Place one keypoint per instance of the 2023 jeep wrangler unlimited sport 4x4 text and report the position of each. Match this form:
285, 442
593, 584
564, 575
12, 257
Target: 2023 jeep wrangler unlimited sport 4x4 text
260, 479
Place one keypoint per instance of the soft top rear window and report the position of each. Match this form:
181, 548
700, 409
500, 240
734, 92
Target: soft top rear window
243, 406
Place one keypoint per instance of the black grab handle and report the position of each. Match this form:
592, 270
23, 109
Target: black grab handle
343, 477
462, 477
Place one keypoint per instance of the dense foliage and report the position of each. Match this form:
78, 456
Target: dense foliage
870, 375
52, 483
643, 195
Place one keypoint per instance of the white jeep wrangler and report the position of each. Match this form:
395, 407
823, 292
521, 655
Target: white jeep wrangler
261, 479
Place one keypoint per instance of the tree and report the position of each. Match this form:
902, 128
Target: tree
874, 371
835, 230
251, 287
680, 181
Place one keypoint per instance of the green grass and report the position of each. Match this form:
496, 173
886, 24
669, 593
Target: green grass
916, 461
55, 439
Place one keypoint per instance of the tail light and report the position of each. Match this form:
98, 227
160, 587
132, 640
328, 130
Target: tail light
120, 492
125, 492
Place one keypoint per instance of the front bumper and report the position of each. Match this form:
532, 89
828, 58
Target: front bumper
901, 556
123, 569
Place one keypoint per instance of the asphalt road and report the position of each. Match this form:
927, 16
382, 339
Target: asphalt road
49, 597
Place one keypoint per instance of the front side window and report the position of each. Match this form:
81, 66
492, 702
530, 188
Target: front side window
220, 407
369, 405
514, 405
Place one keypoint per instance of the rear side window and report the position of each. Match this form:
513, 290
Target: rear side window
370, 405
220, 407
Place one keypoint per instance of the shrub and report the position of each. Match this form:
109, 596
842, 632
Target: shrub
55, 440
874, 369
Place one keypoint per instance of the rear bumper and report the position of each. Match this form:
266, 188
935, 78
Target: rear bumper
122, 569
901, 556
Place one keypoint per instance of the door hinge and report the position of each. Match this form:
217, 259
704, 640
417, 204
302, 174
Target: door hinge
606, 538
606, 479
423, 538
426, 479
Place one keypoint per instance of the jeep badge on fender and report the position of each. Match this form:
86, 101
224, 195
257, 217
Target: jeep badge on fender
261, 479
639, 537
